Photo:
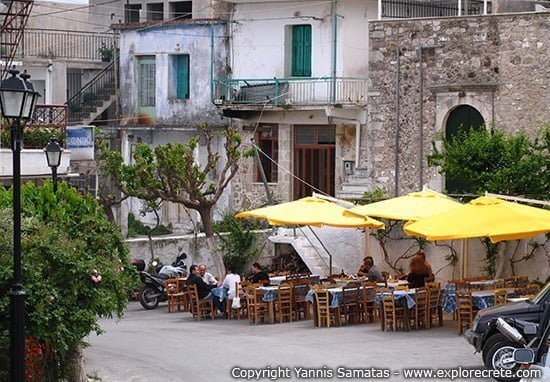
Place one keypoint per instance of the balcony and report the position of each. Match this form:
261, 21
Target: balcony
404, 9
47, 120
290, 92
63, 44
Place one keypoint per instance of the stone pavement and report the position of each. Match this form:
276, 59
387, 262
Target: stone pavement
164, 347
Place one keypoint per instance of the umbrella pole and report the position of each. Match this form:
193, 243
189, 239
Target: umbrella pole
465, 250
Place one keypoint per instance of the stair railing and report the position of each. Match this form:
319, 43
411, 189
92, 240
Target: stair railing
315, 247
92, 94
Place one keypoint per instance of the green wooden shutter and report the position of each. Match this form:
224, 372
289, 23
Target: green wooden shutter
182, 76
301, 50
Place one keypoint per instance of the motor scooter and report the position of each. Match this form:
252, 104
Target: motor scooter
153, 291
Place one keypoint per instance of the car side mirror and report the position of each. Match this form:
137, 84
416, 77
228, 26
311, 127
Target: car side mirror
524, 355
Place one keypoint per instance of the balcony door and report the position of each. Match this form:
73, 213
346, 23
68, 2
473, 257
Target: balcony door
301, 50
314, 158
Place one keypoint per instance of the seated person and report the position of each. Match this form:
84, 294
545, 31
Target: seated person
258, 275
206, 276
230, 282
369, 270
203, 289
418, 272
422, 256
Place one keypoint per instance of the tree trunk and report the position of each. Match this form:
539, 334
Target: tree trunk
206, 218
502, 260
75, 364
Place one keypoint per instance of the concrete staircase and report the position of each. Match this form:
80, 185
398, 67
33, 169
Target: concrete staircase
355, 185
307, 247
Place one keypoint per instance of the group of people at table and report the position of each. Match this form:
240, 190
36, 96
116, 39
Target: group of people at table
420, 275
209, 288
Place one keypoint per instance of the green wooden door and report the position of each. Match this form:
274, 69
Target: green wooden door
301, 50
463, 118
146, 71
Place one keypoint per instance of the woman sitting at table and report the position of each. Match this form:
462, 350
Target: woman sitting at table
418, 272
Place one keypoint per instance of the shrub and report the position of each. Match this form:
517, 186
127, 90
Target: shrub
238, 244
136, 227
66, 240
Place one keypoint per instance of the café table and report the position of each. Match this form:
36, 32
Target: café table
336, 298
481, 299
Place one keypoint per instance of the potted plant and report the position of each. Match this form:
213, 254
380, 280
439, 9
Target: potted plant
105, 52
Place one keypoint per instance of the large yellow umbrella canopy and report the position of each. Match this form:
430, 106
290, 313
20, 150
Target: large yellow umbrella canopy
413, 206
483, 217
310, 211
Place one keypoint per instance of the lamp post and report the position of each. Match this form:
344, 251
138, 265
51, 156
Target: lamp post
17, 101
53, 156
421, 135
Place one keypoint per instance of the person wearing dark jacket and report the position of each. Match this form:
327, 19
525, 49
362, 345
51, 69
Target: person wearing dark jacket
258, 275
418, 273
203, 289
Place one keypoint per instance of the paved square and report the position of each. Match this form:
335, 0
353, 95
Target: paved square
163, 347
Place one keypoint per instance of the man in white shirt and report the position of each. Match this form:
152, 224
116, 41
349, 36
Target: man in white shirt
207, 277
230, 282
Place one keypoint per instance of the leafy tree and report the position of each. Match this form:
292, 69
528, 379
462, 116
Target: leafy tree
66, 242
171, 173
237, 241
489, 160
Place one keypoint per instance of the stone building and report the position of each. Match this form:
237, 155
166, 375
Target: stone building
491, 70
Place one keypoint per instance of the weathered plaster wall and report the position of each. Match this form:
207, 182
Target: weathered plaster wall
198, 249
509, 53
161, 42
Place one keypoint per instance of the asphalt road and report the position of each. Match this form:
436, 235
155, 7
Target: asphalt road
164, 347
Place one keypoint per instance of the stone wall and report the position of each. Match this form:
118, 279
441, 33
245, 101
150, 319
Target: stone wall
497, 64
198, 249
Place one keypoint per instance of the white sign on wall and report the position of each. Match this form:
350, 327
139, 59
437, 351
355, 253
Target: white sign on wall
80, 140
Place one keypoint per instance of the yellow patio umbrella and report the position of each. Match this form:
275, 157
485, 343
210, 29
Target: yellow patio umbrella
311, 211
483, 217
413, 206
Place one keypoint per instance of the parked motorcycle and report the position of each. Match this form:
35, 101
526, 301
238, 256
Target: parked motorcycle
152, 292
528, 342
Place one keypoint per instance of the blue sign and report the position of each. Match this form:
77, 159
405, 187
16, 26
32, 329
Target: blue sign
80, 140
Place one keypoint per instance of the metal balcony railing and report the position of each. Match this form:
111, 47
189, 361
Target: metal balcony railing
291, 91
55, 44
50, 116
397, 9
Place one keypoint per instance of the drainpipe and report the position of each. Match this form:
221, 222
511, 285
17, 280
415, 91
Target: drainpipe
397, 121
334, 49
211, 62
357, 142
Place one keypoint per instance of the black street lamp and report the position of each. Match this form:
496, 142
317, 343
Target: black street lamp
53, 156
17, 101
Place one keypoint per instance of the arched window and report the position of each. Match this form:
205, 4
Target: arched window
462, 118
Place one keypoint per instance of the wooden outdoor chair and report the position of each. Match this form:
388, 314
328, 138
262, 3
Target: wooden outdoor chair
434, 309
393, 315
257, 308
300, 305
325, 314
464, 309
500, 296
367, 302
175, 296
237, 313
419, 313
200, 308
285, 306
349, 309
